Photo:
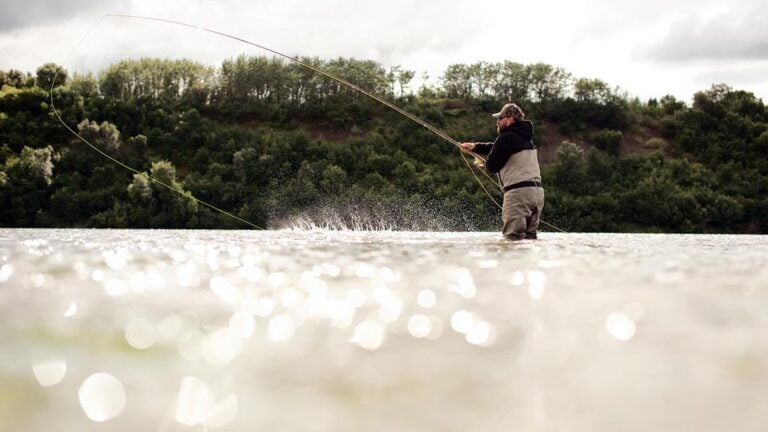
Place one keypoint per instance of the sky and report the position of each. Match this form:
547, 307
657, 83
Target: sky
647, 49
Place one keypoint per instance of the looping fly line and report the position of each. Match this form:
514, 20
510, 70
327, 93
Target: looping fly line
327, 74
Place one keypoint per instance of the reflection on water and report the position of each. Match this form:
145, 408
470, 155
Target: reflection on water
620, 326
380, 331
196, 405
102, 397
50, 372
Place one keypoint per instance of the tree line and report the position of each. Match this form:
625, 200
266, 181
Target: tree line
276, 144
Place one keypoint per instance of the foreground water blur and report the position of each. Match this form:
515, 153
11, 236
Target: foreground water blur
133, 330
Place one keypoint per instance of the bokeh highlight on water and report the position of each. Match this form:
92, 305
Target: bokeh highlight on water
126, 330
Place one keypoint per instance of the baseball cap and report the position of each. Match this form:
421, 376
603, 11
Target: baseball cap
509, 110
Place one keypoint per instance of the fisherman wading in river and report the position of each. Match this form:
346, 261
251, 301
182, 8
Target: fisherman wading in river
513, 156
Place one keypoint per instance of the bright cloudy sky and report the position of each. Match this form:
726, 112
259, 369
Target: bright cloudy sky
648, 48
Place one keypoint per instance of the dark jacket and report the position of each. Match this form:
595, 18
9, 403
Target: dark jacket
511, 140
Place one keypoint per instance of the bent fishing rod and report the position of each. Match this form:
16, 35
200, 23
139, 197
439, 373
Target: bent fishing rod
320, 71
334, 77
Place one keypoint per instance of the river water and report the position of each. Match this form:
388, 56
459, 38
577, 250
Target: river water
157, 330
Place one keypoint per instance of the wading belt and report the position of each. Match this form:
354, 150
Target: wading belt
522, 185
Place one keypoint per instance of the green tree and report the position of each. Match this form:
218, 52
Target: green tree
16, 78
333, 181
670, 105
569, 172
401, 77
47, 73
513, 82
548, 83
159, 200
104, 136
84, 86
592, 90
657, 202
25, 181
457, 82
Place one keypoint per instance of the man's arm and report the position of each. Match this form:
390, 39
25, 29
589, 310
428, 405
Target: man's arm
482, 148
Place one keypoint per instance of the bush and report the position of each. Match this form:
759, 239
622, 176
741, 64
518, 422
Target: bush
608, 141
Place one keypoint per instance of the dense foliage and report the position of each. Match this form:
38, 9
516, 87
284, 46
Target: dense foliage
279, 145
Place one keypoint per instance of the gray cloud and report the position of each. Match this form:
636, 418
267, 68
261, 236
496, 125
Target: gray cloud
20, 14
743, 75
388, 31
732, 36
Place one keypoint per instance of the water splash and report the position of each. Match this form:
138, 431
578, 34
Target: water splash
354, 214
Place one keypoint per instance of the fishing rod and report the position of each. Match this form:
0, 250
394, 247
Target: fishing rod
337, 78
320, 71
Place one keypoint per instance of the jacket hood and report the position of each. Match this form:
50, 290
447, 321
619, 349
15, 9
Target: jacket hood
524, 128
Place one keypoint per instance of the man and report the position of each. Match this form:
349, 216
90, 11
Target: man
513, 156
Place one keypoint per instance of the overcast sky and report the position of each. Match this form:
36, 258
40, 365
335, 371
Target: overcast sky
648, 48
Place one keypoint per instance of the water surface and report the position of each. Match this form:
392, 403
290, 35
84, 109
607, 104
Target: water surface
127, 330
